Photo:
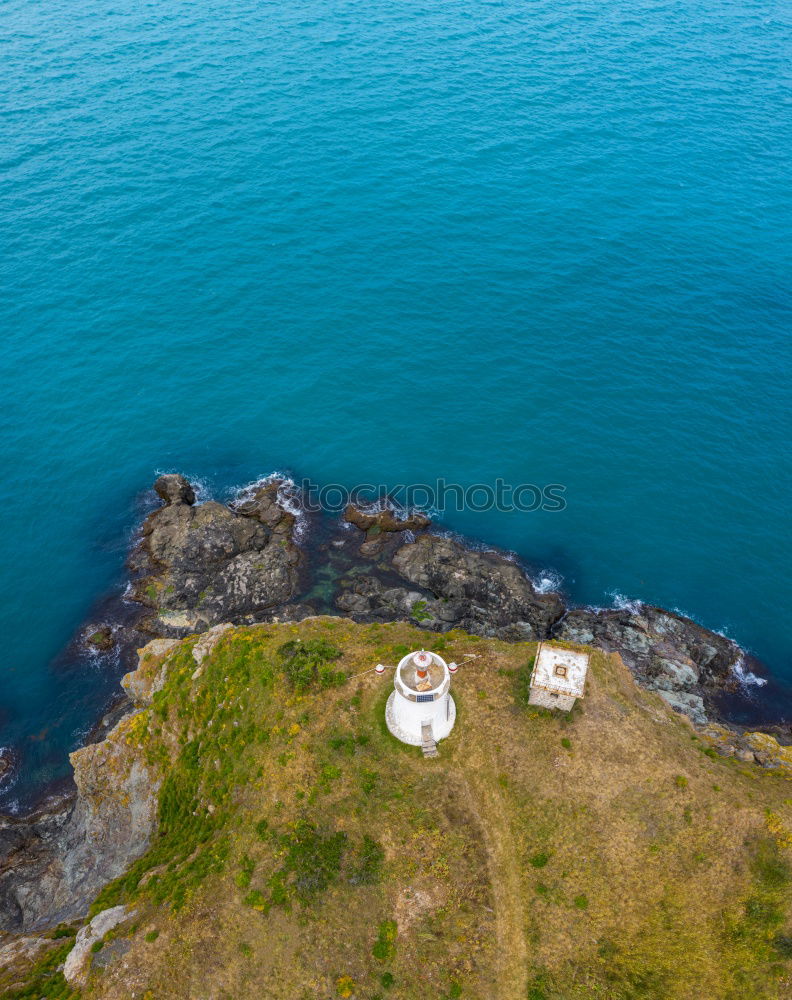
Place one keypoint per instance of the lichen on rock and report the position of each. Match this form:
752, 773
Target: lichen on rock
64, 855
149, 677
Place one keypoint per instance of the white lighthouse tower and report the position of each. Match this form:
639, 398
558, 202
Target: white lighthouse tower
420, 710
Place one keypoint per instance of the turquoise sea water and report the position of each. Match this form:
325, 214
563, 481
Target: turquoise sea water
386, 242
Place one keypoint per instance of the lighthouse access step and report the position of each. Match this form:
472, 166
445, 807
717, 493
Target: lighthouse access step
428, 742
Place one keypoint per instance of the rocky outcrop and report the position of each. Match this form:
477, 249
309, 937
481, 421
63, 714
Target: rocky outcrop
752, 747
482, 592
203, 564
142, 684
30, 853
78, 961
174, 488
206, 643
24, 949
382, 527
99, 637
488, 594
368, 598
385, 520
52, 864
667, 652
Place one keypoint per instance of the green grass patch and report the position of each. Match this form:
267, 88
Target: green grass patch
310, 663
44, 980
384, 949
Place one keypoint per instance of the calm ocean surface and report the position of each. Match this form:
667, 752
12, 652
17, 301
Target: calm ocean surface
386, 242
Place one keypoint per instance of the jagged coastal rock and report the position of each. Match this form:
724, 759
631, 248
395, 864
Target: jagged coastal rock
197, 565
384, 520
7, 763
488, 594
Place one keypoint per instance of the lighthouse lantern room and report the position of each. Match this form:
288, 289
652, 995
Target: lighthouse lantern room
421, 707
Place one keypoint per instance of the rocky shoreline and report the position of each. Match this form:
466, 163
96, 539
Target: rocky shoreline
195, 567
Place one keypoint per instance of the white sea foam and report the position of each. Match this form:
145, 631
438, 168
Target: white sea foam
747, 678
472, 545
103, 658
289, 498
547, 581
622, 603
375, 506
401, 511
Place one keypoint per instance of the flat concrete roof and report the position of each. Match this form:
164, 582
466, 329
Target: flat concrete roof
562, 670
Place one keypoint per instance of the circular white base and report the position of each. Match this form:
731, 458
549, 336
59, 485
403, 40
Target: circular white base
408, 729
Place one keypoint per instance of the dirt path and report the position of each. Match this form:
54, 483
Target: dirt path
486, 802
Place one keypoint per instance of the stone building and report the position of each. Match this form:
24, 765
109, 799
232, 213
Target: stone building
558, 677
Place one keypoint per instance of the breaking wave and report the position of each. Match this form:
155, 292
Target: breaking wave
289, 498
622, 603
747, 678
547, 581
104, 658
202, 487
401, 511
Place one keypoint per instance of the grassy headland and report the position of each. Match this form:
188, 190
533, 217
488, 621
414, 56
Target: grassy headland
304, 853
